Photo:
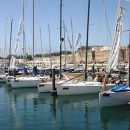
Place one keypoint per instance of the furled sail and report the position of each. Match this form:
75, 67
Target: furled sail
20, 28
114, 51
12, 62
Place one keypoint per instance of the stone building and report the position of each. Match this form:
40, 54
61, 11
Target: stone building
96, 55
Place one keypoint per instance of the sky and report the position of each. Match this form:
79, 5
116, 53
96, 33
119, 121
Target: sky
48, 12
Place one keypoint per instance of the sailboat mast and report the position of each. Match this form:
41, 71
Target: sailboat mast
87, 41
64, 43
41, 45
72, 42
49, 45
60, 37
10, 41
23, 32
33, 33
5, 43
129, 60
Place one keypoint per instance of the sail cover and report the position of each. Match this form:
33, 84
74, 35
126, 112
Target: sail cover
114, 51
20, 28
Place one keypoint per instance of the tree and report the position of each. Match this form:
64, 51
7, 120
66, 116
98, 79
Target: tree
29, 57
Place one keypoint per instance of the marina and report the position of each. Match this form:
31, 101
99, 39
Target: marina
60, 83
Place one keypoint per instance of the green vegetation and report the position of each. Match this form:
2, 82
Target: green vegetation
54, 54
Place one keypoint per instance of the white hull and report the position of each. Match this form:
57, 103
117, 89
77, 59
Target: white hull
25, 82
2, 78
44, 87
110, 98
47, 86
72, 88
79, 88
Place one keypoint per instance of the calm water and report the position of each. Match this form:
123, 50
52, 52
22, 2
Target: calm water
25, 109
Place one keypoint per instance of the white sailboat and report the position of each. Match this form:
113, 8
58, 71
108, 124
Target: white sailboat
73, 87
32, 81
23, 82
120, 94
69, 87
83, 87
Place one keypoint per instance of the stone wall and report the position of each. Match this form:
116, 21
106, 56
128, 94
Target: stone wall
98, 56
101, 56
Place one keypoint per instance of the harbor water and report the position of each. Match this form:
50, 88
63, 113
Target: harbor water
26, 109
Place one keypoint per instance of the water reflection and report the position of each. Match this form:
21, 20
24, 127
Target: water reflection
28, 107
2, 85
47, 98
80, 108
22, 91
120, 116
90, 99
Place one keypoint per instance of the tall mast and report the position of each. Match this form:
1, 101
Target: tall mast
41, 45
129, 60
64, 43
72, 42
49, 45
23, 32
33, 33
5, 42
10, 41
87, 40
60, 36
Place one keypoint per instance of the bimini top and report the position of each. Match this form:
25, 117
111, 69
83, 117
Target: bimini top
120, 88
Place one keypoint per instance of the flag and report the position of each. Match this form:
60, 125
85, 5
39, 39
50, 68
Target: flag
78, 39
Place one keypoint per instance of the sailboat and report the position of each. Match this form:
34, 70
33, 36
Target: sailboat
120, 94
27, 81
69, 87
82, 87
47, 86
